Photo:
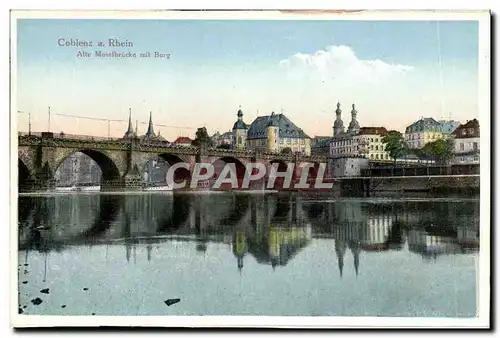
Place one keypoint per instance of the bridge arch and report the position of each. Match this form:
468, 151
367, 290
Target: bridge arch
219, 164
26, 155
279, 182
312, 172
108, 166
180, 210
180, 174
24, 173
42, 212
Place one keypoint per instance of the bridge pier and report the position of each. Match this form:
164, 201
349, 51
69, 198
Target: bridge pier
122, 184
37, 185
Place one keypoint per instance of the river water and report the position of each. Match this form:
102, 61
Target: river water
247, 254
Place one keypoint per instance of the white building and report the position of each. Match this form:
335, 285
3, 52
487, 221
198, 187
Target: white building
369, 143
347, 166
423, 131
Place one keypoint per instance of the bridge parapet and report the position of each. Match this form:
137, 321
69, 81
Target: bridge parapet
166, 148
98, 145
315, 158
230, 153
28, 140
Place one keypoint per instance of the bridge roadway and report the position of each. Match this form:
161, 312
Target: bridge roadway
122, 160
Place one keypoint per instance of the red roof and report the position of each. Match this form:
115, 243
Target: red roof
183, 139
469, 129
372, 131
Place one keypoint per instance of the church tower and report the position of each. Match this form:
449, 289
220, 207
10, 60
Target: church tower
354, 124
338, 125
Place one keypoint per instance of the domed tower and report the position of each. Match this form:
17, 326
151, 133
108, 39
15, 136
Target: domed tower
272, 130
354, 124
240, 130
338, 125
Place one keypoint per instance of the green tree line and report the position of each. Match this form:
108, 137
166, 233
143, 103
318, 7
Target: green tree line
441, 150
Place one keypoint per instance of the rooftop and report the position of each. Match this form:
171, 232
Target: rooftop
372, 131
287, 129
467, 130
183, 139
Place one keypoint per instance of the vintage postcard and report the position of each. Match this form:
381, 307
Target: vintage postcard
314, 169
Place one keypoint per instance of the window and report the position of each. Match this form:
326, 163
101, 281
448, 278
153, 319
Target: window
376, 147
461, 146
239, 140
475, 146
376, 156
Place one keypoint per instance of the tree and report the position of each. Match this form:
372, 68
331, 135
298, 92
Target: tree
395, 144
202, 138
286, 150
440, 150
224, 146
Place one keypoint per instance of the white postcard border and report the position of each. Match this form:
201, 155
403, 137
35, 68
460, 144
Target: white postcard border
264, 321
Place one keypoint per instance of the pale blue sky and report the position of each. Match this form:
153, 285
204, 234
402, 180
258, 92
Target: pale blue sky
217, 65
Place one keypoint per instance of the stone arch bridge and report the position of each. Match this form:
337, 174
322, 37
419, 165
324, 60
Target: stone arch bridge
121, 160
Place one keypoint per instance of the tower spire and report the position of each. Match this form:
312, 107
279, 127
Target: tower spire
150, 133
130, 131
240, 114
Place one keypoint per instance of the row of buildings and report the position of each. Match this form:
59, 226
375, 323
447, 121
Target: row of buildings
276, 132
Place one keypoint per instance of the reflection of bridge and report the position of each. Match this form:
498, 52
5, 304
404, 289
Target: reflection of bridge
272, 228
122, 160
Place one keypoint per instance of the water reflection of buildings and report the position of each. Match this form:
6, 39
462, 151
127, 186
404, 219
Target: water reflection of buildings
280, 244
272, 229
341, 250
428, 245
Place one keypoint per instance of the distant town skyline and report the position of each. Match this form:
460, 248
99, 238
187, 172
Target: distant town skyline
394, 71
